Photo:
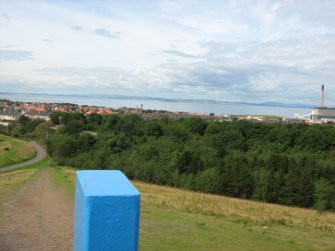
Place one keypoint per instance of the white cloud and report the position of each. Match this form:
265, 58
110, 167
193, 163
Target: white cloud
236, 50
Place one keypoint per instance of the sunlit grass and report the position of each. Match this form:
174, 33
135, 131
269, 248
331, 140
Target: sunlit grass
11, 179
241, 210
176, 219
14, 151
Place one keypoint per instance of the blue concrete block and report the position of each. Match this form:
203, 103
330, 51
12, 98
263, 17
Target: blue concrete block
107, 210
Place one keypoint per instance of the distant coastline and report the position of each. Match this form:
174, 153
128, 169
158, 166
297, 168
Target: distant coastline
162, 99
200, 106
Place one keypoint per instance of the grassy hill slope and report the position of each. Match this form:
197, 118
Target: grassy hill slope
14, 151
175, 219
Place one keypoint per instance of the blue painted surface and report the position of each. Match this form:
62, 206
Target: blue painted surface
107, 210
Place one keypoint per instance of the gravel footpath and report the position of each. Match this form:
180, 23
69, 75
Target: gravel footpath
41, 153
38, 218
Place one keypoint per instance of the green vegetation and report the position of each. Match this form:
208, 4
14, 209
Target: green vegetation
197, 155
27, 128
14, 151
62, 179
278, 163
43, 163
175, 219
24, 127
11, 181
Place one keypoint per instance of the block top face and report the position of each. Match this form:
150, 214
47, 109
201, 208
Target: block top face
105, 183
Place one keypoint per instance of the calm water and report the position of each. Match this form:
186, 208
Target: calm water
238, 109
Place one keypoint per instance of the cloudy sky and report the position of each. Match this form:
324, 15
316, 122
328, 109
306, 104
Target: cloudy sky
251, 51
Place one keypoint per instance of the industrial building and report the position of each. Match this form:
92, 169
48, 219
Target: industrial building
322, 112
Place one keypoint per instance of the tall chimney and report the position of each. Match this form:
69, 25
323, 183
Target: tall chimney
322, 94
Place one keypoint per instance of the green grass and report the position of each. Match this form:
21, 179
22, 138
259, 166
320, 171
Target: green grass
11, 181
175, 219
14, 151
163, 228
60, 179
38, 165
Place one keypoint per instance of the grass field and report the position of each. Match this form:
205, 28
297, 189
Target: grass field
10, 182
14, 151
175, 219
11, 179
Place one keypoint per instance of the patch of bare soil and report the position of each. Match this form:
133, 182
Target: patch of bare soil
40, 217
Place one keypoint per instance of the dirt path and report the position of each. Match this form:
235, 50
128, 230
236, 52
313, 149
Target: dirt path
39, 218
41, 153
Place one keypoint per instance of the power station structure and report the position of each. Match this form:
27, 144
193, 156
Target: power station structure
322, 112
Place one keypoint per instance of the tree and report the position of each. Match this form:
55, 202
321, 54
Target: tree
229, 139
131, 125
196, 125
324, 195
235, 177
287, 164
94, 121
179, 134
109, 122
189, 161
314, 139
214, 128
23, 120
207, 181
74, 126
153, 128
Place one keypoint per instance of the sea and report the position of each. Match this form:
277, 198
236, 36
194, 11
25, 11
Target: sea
174, 106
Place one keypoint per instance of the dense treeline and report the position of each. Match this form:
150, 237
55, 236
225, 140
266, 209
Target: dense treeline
278, 163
